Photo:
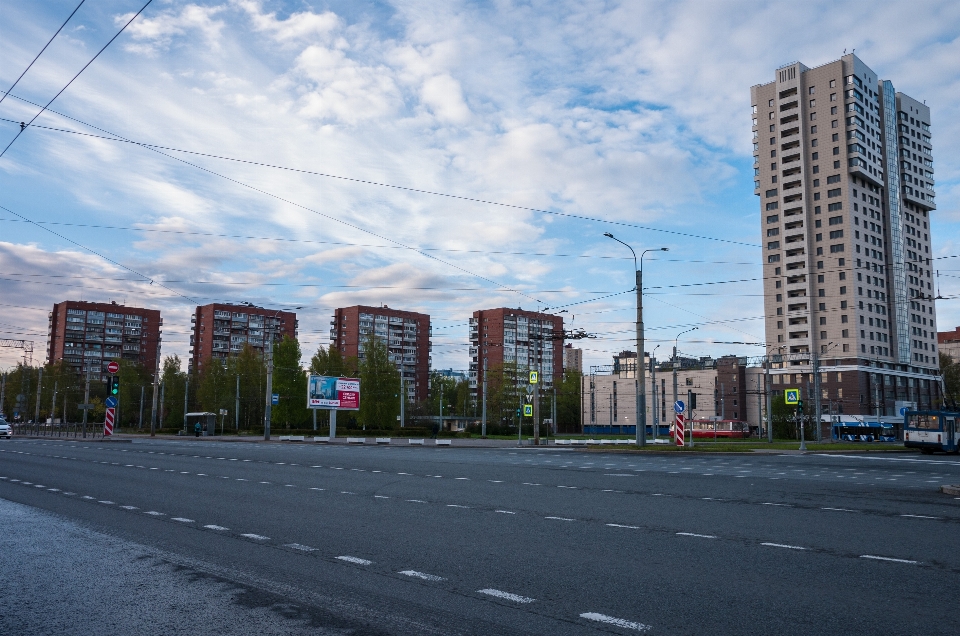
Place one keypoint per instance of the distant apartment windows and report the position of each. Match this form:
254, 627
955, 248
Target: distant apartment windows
819, 237
819, 264
813, 103
843, 304
773, 153
835, 220
771, 114
773, 166
773, 218
773, 258
773, 245
770, 193
833, 97
836, 164
772, 206
821, 293
836, 151
834, 124
811, 90
817, 223
813, 130
819, 251
816, 170
833, 110
779, 298
836, 137
833, 83
773, 141
834, 178
773, 231
815, 156
819, 278
833, 193
813, 143
836, 248
772, 127
770, 104
816, 196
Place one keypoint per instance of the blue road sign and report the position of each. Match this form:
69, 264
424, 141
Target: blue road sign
276, 399
111, 402
679, 406
903, 410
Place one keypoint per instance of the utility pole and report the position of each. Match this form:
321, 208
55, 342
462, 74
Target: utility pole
538, 348
140, 418
690, 414
483, 411
153, 397
674, 375
876, 394
723, 410
656, 403
268, 410
403, 399
817, 406
86, 404
53, 406
759, 409
769, 392
553, 411
236, 407
186, 397
36, 419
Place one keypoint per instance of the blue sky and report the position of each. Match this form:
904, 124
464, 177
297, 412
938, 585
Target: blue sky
635, 113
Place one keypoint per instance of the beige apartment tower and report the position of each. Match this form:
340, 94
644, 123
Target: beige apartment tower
844, 172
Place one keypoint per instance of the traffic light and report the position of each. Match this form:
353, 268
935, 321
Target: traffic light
114, 385
518, 413
693, 401
800, 406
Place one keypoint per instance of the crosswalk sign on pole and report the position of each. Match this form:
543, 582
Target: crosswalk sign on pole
534, 377
791, 396
528, 410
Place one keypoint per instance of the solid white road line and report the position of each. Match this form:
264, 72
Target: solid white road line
880, 558
783, 545
215, 527
353, 559
619, 622
258, 537
516, 598
421, 575
693, 534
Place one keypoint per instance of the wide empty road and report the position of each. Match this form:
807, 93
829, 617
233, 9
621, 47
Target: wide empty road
294, 538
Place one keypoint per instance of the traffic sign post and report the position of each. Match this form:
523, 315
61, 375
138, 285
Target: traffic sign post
679, 429
791, 396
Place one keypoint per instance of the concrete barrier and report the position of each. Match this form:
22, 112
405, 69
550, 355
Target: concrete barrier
562, 442
317, 438
383, 440
291, 438
950, 490
416, 441
625, 442
355, 440
444, 442
591, 441
578, 442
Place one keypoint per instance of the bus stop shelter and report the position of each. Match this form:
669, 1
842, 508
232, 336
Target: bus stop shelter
208, 423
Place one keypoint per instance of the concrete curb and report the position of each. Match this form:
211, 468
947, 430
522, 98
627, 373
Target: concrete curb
950, 490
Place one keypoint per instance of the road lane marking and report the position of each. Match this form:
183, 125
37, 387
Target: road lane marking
920, 516
104, 501
783, 545
767, 503
619, 622
516, 598
617, 525
526, 483
495, 481
461, 478
569, 487
881, 558
421, 575
839, 509
181, 519
129, 507
505, 512
154, 513
215, 527
353, 559
560, 518
416, 501
87, 497
258, 537
380, 497
301, 547
694, 534
315, 488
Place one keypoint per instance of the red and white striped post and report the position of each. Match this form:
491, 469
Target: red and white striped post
679, 430
108, 422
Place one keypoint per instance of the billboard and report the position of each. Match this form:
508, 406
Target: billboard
324, 392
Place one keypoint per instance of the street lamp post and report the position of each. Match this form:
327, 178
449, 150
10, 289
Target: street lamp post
676, 342
641, 387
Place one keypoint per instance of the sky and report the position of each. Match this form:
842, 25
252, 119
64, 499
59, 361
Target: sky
433, 156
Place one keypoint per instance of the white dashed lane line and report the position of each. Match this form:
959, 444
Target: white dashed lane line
694, 534
181, 519
507, 596
783, 545
215, 527
258, 537
618, 525
421, 575
154, 513
560, 518
355, 560
619, 622
300, 546
890, 559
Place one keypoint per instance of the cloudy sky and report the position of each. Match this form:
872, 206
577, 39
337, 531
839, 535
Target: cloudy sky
269, 136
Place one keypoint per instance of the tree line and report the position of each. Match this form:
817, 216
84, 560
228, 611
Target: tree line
238, 386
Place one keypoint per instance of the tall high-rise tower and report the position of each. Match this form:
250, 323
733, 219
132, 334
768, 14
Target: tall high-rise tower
844, 170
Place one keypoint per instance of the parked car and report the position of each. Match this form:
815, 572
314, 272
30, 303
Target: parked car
5, 429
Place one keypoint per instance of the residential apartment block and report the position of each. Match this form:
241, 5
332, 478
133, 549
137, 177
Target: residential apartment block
843, 168
572, 358
949, 343
406, 334
531, 340
221, 330
87, 335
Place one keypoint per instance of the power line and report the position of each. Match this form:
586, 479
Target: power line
157, 148
27, 125
17, 81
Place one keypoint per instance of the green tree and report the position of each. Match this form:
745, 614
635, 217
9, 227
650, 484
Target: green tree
216, 387
379, 386
951, 378
133, 377
174, 385
569, 402
504, 396
290, 383
249, 365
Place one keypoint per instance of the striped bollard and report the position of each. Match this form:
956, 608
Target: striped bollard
108, 422
679, 432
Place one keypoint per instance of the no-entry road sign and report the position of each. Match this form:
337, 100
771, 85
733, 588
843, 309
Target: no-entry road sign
113, 367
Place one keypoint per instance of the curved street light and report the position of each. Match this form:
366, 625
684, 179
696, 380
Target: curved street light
641, 388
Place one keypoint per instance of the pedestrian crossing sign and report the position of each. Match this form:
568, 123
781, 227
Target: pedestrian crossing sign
528, 410
534, 377
791, 396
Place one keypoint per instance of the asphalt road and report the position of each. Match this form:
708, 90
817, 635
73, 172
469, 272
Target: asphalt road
210, 537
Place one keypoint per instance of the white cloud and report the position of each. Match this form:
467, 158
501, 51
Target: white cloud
158, 32
298, 25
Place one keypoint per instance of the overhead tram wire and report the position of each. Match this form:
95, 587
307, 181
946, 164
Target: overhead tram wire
157, 148
95, 253
370, 245
45, 107
32, 62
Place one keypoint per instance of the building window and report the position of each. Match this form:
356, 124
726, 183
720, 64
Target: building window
815, 156
836, 248
836, 234
772, 206
773, 258
836, 150
833, 207
771, 193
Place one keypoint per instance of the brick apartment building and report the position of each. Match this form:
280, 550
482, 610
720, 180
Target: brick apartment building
221, 330
406, 334
88, 335
514, 336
